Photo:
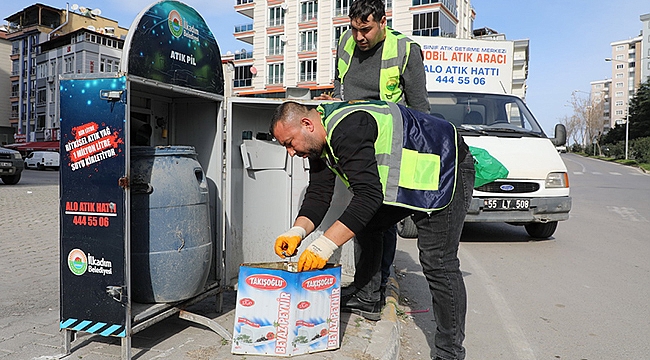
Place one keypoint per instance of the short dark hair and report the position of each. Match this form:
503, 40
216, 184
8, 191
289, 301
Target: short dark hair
286, 111
361, 9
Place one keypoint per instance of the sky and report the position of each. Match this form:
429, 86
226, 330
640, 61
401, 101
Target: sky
569, 40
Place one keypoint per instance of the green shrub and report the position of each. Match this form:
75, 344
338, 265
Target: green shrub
640, 150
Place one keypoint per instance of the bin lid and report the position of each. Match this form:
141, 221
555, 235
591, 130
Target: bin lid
170, 42
173, 150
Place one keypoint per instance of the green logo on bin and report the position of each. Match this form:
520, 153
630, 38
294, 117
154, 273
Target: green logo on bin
77, 262
175, 22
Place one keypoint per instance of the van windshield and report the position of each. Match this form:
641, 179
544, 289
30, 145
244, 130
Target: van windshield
489, 113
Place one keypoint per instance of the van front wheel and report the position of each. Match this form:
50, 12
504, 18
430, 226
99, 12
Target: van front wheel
541, 230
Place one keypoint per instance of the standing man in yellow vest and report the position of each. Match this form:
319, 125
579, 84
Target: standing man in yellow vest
375, 62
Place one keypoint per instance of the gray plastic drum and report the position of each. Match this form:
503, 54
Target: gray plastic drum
171, 244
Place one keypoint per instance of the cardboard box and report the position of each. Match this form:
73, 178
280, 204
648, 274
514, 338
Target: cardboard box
281, 312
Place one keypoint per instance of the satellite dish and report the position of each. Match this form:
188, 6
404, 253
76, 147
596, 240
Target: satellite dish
82, 9
74, 7
243, 51
90, 27
284, 5
283, 38
96, 12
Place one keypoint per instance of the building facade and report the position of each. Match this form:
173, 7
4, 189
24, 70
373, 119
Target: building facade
34, 77
294, 41
645, 47
6, 131
626, 77
600, 94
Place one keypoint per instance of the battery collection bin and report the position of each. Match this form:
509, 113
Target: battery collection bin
171, 244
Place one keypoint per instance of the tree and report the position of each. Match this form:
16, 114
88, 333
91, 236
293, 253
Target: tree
640, 112
585, 125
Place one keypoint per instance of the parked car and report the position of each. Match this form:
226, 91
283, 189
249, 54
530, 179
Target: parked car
11, 166
42, 159
561, 148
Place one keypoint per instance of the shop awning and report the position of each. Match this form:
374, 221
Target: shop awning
36, 146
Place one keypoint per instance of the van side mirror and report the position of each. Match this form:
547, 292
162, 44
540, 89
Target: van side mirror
560, 135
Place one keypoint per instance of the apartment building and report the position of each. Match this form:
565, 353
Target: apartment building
626, 76
645, 46
294, 41
47, 42
6, 131
599, 94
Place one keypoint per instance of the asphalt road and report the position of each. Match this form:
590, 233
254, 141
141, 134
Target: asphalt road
582, 294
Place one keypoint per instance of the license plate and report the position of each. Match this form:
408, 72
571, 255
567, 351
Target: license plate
5, 164
506, 204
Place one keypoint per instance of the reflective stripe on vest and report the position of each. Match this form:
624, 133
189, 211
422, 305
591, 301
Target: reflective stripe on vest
422, 181
394, 57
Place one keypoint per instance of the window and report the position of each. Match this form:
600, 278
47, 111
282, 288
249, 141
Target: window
619, 75
619, 85
108, 65
276, 45
619, 57
15, 68
308, 70
619, 66
309, 10
618, 103
69, 64
618, 112
619, 94
338, 31
53, 67
276, 73
426, 24
620, 47
276, 16
14, 110
308, 40
342, 7
41, 71
41, 96
15, 89
243, 76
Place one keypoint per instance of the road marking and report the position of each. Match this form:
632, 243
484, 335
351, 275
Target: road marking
615, 173
518, 340
597, 173
629, 214
578, 173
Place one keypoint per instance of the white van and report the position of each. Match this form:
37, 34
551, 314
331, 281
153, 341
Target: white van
42, 160
470, 84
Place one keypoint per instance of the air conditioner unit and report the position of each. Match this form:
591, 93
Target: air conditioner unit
50, 78
284, 5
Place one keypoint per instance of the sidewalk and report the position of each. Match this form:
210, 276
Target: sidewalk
29, 322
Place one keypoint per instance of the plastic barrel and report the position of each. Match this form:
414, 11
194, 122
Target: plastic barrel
171, 244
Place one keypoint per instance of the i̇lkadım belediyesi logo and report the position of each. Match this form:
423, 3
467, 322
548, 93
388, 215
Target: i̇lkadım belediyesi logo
77, 262
175, 22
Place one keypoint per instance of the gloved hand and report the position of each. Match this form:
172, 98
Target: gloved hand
287, 243
316, 254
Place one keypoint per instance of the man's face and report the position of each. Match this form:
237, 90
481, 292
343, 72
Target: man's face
299, 139
368, 33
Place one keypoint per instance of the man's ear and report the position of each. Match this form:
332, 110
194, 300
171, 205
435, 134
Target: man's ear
307, 123
383, 22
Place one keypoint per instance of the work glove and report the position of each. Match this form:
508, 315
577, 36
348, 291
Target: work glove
287, 243
316, 254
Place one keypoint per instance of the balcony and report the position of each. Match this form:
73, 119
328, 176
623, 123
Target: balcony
243, 55
245, 7
244, 33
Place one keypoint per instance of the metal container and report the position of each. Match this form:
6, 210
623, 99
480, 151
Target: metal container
171, 243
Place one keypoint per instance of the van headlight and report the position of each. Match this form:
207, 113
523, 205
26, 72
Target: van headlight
557, 180
17, 156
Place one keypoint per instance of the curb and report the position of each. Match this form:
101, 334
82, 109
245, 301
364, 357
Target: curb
386, 347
